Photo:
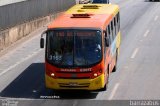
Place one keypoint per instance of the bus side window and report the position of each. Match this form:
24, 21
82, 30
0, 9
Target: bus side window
105, 37
118, 21
112, 30
110, 33
115, 26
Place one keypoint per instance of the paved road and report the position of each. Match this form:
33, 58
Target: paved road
137, 76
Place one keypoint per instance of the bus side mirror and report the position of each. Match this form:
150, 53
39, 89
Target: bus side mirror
42, 43
106, 41
42, 39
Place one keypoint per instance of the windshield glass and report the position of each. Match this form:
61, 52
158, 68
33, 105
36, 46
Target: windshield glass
74, 47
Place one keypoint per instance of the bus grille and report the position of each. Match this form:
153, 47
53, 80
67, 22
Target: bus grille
74, 77
74, 85
73, 72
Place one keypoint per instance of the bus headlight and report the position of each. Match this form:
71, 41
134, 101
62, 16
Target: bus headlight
52, 74
95, 74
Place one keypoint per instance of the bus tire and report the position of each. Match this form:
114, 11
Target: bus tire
104, 88
106, 85
115, 67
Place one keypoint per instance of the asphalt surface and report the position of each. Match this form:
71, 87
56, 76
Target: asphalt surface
137, 76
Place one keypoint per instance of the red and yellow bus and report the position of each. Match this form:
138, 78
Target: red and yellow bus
82, 48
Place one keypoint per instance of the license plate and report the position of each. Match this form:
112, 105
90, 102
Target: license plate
73, 84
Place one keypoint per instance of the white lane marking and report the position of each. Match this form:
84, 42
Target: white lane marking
134, 53
156, 17
114, 91
146, 33
19, 62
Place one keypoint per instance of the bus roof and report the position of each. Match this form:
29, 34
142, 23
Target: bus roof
68, 21
94, 8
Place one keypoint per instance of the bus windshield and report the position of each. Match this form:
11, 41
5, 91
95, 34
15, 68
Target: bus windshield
74, 48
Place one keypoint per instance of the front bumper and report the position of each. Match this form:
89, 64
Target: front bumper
79, 84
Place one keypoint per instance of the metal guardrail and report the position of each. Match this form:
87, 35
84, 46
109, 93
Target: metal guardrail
18, 13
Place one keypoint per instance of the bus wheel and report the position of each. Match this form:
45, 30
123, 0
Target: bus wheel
115, 67
104, 88
106, 85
